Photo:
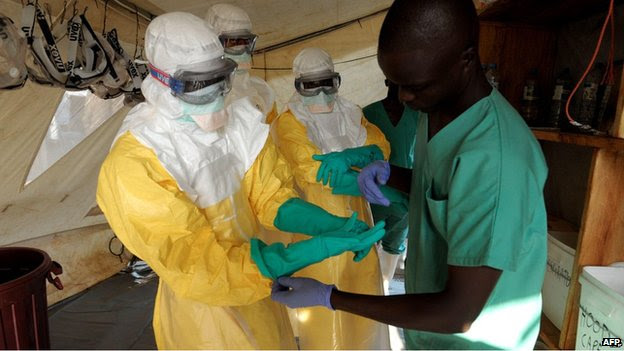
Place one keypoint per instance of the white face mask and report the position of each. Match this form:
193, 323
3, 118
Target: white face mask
210, 116
321, 103
243, 61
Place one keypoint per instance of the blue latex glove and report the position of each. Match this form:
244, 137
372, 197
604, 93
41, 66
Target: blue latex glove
369, 180
301, 292
334, 164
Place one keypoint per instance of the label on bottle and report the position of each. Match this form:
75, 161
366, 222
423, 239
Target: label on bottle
590, 91
558, 92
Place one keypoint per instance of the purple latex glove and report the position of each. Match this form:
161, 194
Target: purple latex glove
375, 174
301, 292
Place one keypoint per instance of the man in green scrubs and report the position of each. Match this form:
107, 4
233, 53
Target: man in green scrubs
398, 123
477, 242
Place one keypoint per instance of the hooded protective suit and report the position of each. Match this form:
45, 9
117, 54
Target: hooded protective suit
187, 201
231, 20
299, 135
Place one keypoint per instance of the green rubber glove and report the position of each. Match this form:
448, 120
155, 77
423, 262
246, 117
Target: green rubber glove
348, 185
299, 216
276, 260
334, 164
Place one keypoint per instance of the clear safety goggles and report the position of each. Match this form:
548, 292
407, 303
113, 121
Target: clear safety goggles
238, 43
199, 83
314, 84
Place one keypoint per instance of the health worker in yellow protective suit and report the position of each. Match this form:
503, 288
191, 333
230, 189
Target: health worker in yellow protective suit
187, 186
233, 26
322, 136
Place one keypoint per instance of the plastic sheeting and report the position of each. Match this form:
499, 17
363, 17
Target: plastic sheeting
78, 115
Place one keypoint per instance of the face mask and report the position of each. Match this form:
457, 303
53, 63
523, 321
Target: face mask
209, 117
321, 103
243, 61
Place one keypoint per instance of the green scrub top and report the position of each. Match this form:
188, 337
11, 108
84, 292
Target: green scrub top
401, 138
477, 200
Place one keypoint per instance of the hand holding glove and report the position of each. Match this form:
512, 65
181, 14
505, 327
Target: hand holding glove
334, 164
276, 260
369, 180
301, 292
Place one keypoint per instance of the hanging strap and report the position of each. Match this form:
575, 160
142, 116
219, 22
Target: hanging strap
132, 68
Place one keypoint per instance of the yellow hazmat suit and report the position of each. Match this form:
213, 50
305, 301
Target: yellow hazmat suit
320, 328
211, 294
187, 197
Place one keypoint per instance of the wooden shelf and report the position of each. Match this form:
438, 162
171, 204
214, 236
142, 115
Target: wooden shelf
600, 142
549, 334
540, 12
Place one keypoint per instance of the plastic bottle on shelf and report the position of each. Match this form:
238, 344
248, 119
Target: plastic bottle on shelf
563, 85
530, 99
492, 75
589, 95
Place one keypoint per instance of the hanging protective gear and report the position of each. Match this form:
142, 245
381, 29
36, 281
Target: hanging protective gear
88, 55
13, 71
300, 135
132, 87
233, 26
337, 163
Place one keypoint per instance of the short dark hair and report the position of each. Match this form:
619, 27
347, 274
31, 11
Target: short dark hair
430, 24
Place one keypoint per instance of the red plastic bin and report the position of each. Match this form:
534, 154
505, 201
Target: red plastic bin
23, 299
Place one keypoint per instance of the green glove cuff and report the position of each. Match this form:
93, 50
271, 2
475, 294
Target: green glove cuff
256, 255
347, 184
298, 216
397, 223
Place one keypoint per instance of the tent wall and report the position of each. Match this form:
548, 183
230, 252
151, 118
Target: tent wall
56, 211
362, 79
277, 21
85, 257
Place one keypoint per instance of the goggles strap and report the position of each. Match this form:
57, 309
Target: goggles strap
132, 69
28, 21
93, 37
74, 28
159, 75
49, 38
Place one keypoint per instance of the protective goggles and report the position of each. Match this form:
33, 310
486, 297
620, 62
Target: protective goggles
199, 83
312, 85
238, 43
